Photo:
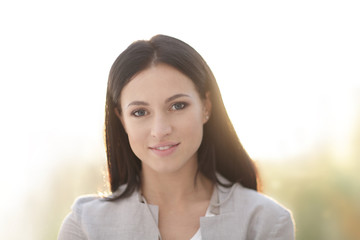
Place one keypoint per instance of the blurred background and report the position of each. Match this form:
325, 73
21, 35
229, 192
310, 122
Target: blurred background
289, 75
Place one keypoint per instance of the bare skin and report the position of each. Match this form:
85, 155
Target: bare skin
163, 115
181, 203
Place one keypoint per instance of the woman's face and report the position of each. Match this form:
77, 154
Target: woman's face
163, 116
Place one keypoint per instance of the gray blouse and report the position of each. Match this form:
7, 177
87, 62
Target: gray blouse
240, 213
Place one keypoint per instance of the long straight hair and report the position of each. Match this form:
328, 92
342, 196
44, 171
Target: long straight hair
220, 150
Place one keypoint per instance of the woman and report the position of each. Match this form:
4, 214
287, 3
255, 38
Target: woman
176, 167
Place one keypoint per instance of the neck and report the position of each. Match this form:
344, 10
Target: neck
175, 188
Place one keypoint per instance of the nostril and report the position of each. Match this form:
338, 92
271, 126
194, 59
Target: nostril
159, 131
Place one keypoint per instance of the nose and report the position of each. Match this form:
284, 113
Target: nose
161, 127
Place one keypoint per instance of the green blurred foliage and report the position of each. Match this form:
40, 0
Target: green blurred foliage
324, 200
322, 192
50, 206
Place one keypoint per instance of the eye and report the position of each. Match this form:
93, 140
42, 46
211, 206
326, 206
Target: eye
178, 106
139, 113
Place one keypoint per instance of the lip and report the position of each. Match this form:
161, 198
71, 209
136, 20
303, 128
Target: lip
164, 149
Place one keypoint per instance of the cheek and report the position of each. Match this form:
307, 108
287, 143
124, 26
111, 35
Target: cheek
136, 135
193, 137
192, 126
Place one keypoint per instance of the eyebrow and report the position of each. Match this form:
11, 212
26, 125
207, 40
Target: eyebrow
175, 97
142, 103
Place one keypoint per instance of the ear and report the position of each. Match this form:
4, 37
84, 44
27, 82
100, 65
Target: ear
118, 114
207, 108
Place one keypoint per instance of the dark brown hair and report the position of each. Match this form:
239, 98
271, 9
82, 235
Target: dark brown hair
220, 150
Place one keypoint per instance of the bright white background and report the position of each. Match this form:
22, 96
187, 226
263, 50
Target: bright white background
288, 71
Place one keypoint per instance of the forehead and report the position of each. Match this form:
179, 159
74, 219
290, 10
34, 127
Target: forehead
156, 82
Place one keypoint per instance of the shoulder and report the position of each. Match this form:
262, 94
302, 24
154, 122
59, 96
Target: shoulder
82, 207
266, 218
89, 206
71, 227
240, 198
84, 202
252, 199
94, 215
262, 216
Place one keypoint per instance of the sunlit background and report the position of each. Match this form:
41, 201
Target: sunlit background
289, 72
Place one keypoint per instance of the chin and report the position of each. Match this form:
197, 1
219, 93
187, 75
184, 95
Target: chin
167, 168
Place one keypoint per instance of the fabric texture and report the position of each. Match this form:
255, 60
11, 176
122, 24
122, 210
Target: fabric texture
239, 213
197, 235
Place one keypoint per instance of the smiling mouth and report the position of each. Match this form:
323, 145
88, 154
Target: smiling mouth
164, 148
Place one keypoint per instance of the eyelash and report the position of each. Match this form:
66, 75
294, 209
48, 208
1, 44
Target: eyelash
183, 105
134, 113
